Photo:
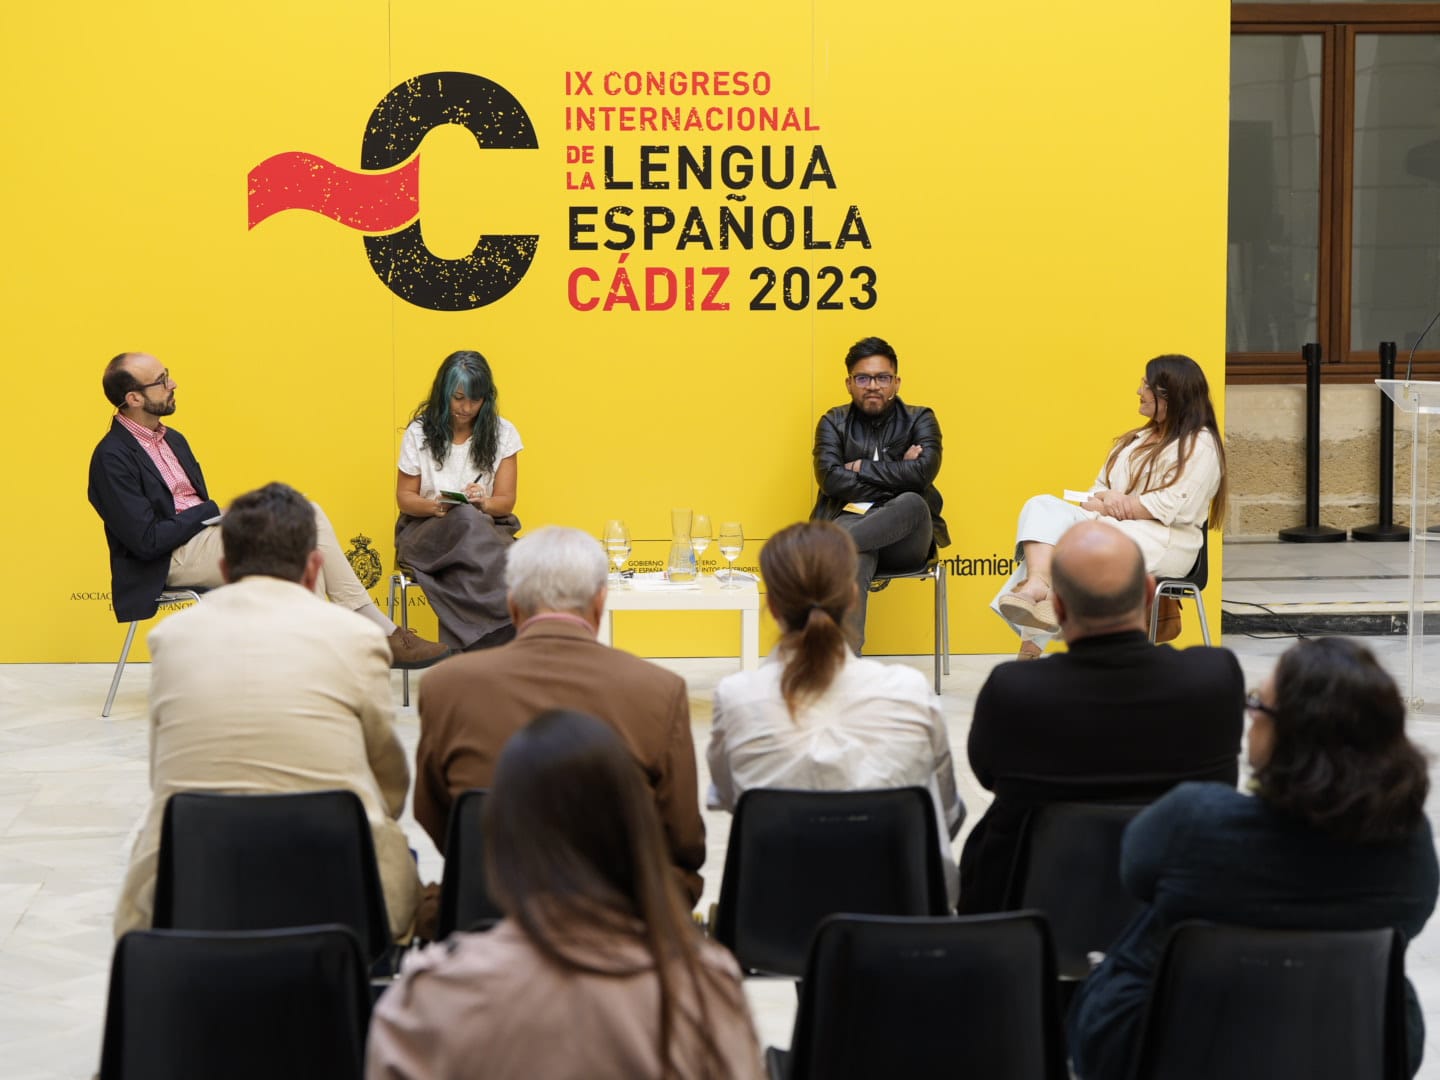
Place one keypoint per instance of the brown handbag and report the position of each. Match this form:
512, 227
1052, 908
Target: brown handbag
1167, 627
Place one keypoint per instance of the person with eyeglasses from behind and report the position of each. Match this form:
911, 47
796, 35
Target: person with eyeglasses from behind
1334, 837
876, 460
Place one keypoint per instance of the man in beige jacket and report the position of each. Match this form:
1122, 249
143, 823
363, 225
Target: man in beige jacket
263, 687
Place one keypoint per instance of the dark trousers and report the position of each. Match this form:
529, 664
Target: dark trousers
892, 537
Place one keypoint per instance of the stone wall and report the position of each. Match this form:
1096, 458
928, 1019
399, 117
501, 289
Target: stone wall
1265, 448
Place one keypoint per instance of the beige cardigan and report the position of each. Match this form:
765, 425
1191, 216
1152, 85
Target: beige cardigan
263, 687
489, 1004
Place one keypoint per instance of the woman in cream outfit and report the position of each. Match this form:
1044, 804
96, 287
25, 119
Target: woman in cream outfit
1159, 485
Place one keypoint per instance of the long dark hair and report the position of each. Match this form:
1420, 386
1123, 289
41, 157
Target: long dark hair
468, 372
1180, 383
574, 853
1341, 761
809, 572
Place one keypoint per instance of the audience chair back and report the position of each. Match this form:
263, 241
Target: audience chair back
1190, 585
933, 570
795, 857
261, 862
165, 599
465, 903
1069, 868
921, 998
1250, 1004
279, 1004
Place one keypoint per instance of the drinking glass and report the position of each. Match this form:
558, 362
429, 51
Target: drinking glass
731, 543
699, 538
617, 546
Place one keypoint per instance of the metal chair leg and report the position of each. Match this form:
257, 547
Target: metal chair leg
944, 586
1204, 624
119, 669
939, 622
404, 625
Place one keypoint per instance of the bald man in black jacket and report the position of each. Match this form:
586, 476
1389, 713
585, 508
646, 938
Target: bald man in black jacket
1113, 719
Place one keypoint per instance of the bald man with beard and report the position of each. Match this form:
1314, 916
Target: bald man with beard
161, 524
1112, 719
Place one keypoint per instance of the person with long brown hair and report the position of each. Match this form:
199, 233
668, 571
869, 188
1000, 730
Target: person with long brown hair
597, 971
1160, 484
1334, 838
814, 715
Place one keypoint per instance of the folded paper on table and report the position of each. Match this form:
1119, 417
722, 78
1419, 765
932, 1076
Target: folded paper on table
657, 582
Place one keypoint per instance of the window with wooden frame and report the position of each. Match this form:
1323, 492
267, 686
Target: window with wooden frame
1334, 231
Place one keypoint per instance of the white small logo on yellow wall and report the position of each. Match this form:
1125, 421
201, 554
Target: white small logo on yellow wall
364, 561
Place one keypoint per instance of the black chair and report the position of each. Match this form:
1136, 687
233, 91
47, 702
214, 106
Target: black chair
1190, 585
261, 862
167, 598
1068, 867
465, 903
1248, 1004
933, 570
279, 1004
921, 998
795, 857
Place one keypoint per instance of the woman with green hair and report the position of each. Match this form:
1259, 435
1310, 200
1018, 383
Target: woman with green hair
456, 492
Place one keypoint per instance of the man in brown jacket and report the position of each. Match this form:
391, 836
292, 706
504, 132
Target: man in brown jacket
471, 704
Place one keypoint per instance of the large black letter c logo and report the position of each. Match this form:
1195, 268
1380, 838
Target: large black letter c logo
401, 260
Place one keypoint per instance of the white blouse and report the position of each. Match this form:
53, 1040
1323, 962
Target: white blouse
876, 726
1171, 541
458, 470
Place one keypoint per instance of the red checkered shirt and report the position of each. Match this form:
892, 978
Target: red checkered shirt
154, 445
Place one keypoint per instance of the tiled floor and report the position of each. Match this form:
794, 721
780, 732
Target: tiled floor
72, 786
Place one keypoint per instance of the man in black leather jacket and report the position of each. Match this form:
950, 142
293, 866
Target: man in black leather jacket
875, 462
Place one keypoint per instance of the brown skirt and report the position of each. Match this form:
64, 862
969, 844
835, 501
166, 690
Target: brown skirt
459, 560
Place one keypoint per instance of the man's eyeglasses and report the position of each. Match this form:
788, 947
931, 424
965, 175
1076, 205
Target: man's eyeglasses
163, 380
882, 381
1254, 704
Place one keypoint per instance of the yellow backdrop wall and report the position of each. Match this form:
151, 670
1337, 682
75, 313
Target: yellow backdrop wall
1039, 204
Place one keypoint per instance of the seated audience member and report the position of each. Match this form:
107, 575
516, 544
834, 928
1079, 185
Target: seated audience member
1113, 719
148, 490
597, 971
263, 687
1334, 838
814, 715
1161, 482
457, 441
470, 705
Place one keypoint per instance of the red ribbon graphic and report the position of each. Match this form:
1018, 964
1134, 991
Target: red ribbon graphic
367, 201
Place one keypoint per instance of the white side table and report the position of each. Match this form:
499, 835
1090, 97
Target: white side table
708, 597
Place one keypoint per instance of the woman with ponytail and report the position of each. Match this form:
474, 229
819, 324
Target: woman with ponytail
817, 717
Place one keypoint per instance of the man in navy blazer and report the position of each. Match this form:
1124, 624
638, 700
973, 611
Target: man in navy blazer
159, 518
1112, 719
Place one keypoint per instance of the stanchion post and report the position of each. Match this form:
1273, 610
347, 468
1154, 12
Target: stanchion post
1312, 532
1385, 529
